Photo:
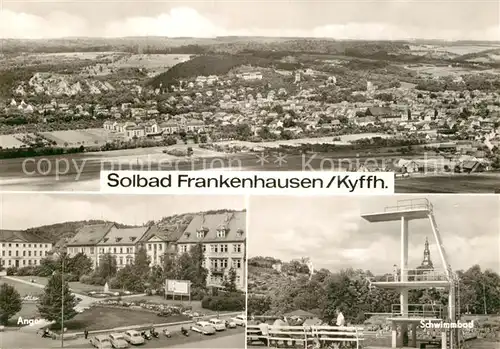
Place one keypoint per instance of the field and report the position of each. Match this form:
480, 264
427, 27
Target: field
75, 138
9, 141
150, 61
440, 71
479, 183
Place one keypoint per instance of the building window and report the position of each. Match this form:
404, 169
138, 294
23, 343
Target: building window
237, 248
183, 248
160, 247
149, 247
200, 234
10, 253
24, 261
204, 248
29, 254
34, 253
221, 233
224, 263
17, 253
237, 263
10, 260
101, 250
114, 249
24, 253
17, 245
91, 250
223, 248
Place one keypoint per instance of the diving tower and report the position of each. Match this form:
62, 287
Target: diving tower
405, 279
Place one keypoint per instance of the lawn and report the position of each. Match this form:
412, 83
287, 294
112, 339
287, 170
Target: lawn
76, 287
99, 318
22, 288
9, 141
90, 137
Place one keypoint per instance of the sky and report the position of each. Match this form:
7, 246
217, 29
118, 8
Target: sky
339, 19
331, 232
22, 211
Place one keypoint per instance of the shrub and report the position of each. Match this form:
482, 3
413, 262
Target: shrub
11, 271
233, 302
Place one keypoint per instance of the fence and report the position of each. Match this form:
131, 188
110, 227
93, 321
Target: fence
303, 336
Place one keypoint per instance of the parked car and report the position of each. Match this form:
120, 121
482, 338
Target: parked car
118, 341
203, 327
239, 320
230, 324
218, 324
101, 342
133, 337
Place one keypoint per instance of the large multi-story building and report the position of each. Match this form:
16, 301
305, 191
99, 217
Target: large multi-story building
121, 243
223, 239
86, 240
22, 249
157, 242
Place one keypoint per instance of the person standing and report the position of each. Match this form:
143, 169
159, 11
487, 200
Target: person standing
340, 318
86, 333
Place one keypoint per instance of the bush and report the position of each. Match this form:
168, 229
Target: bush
11, 271
233, 302
92, 279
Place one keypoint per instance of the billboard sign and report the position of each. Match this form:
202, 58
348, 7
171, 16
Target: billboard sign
178, 287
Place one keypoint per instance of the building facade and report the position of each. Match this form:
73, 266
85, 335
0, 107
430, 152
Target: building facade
22, 249
121, 243
157, 242
86, 240
223, 238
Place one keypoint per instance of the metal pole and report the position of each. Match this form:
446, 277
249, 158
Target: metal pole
484, 299
62, 303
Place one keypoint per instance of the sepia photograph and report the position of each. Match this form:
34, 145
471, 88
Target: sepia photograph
374, 272
338, 85
96, 271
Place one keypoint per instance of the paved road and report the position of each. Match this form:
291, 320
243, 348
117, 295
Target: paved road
227, 339
233, 341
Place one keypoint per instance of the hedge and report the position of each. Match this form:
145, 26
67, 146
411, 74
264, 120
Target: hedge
234, 302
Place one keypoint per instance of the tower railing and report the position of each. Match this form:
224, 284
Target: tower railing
418, 310
410, 204
418, 275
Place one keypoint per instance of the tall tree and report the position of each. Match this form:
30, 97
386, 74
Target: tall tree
169, 263
230, 281
80, 264
55, 295
141, 263
199, 272
10, 303
107, 266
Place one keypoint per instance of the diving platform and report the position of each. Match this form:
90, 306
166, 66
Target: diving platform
407, 209
405, 321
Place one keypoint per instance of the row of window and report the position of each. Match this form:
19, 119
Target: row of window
40, 254
215, 248
24, 262
26, 245
223, 263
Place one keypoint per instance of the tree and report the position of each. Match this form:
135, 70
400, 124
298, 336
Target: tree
107, 266
10, 303
55, 294
80, 264
169, 262
229, 283
141, 263
199, 273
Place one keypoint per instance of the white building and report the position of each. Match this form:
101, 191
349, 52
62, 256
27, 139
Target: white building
22, 249
223, 239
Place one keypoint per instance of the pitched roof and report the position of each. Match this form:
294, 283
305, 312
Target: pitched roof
123, 236
233, 222
21, 236
167, 235
90, 234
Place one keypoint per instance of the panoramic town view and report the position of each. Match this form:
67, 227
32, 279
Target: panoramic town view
155, 272
427, 110
374, 272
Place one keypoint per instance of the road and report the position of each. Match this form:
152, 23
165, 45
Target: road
227, 339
